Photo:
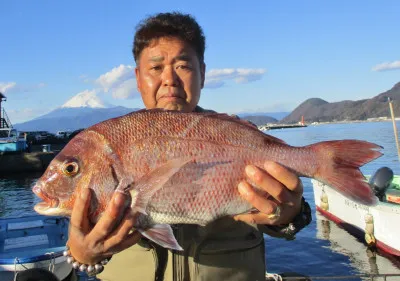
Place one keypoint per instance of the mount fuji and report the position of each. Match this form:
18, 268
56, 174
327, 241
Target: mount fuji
81, 111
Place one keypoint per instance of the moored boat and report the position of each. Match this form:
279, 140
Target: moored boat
377, 224
12, 141
33, 242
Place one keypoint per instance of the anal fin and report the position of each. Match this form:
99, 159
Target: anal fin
163, 235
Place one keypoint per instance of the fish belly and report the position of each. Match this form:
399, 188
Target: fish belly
204, 189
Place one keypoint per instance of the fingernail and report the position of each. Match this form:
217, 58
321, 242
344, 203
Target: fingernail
243, 189
119, 200
84, 193
250, 170
269, 165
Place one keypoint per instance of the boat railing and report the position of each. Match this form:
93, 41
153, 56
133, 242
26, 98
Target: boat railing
364, 277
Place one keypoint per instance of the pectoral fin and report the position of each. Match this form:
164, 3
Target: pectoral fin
163, 235
153, 181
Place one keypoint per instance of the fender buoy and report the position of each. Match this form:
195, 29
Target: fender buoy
369, 230
324, 204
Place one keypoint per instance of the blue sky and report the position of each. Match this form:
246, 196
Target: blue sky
261, 55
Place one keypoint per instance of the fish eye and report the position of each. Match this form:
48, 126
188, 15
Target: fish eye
70, 169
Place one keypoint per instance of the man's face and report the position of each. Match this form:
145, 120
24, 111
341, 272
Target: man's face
169, 75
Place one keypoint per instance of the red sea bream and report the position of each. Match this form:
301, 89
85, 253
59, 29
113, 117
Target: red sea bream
184, 168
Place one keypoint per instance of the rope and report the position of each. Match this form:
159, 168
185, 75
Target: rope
372, 277
52, 262
16, 261
273, 277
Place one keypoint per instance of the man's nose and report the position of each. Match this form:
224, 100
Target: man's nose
169, 77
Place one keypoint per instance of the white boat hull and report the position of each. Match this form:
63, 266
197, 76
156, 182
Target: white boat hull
350, 214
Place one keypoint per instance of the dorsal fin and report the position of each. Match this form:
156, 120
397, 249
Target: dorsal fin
221, 116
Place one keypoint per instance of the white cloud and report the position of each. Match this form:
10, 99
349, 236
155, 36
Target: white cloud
6, 86
216, 78
387, 66
13, 87
125, 90
115, 77
85, 78
120, 82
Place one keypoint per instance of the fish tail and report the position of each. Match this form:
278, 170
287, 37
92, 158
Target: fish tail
339, 167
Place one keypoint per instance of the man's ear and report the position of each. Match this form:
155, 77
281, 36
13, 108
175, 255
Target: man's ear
203, 74
137, 74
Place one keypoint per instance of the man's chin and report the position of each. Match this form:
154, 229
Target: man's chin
175, 106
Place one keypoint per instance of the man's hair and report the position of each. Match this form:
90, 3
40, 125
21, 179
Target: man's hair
175, 24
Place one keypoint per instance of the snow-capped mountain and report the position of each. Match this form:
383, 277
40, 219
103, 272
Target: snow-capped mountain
86, 99
72, 118
81, 111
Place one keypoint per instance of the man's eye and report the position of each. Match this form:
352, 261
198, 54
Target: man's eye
156, 67
184, 66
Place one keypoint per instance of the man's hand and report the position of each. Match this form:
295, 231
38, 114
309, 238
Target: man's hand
111, 234
285, 190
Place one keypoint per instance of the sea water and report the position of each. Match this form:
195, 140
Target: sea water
322, 248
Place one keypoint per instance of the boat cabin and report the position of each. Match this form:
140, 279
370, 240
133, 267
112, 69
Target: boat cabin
11, 140
8, 134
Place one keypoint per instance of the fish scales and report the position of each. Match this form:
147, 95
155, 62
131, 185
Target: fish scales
185, 168
202, 196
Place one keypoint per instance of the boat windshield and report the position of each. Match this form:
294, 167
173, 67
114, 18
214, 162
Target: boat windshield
4, 133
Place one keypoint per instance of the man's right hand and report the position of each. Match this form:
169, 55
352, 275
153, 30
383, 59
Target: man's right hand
91, 244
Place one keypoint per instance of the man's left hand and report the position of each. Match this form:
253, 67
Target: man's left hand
285, 191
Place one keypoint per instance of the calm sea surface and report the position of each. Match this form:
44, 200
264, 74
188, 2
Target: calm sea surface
319, 250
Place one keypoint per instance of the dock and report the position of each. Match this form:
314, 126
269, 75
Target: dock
28, 162
23, 162
280, 126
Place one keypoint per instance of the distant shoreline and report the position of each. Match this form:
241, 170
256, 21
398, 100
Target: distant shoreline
284, 126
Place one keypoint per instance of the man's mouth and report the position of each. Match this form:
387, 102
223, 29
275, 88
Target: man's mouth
171, 96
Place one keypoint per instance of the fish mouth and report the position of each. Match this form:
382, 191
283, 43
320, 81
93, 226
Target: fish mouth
49, 206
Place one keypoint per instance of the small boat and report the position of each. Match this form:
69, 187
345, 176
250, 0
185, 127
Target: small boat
33, 242
378, 224
12, 141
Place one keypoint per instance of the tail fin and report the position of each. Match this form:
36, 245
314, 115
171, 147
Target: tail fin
339, 163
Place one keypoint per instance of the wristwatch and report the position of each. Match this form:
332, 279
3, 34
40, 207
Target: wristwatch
301, 220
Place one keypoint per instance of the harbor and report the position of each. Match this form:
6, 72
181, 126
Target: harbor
17, 155
280, 126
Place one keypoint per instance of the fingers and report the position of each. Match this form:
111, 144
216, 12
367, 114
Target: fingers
116, 245
284, 176
79, 215
285, 190
258, 201
120, 234
266, 182
277, 180
258, 218
110, 218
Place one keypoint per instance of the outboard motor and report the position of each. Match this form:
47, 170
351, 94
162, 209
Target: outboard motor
380, 181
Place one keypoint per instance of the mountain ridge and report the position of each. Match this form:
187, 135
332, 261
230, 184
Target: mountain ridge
318, 110
313, 110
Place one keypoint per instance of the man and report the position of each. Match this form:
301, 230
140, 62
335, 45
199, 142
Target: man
170, 73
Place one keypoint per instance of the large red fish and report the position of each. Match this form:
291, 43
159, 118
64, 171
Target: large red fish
184, 168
